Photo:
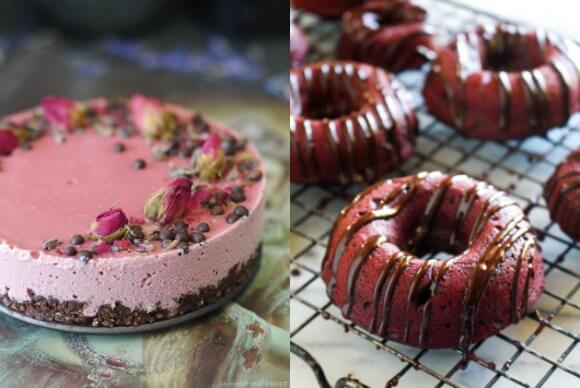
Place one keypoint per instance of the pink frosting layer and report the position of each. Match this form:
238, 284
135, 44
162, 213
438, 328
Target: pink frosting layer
56, 190
136, 281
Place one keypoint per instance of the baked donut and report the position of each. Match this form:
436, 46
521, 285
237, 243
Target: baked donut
562, 194
503, 82
326, 8
386, 34
298, 45
375, 276
348, 122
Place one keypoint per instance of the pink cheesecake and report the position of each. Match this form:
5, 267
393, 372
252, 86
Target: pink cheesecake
124, 213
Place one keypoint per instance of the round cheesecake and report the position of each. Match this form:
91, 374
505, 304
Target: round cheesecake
124, 213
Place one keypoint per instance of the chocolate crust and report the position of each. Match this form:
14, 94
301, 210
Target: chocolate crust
49, 309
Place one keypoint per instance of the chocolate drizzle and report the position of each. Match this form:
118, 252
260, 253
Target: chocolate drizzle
505, 95
535, 104
432, 208
395, 50
463, 210
361, 257
526, 250
385, 209
428, 308
502, 41
564, 78
366, 115
310, 148
413, 291
427, 277
402, 260
364, 27
492, 206
559, 189
483, 271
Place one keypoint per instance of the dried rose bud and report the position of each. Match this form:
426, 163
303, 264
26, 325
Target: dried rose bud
8, 142
170, 203
152, 119
63, 113
210, 161
110, 225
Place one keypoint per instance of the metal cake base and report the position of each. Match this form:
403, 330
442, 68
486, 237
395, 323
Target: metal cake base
142, 328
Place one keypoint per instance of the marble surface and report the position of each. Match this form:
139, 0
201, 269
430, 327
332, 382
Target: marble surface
519, 167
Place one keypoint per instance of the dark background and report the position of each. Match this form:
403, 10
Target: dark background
205, 53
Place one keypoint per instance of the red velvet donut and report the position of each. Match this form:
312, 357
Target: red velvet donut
298, 45
326, 8
562, 194
503, 82
375, 276
386, 34
349, 122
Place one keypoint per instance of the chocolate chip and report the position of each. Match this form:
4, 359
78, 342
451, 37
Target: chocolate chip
231, 218
85, 256
167, 234
77, 239
197, 237
70, 251
119, 147
216, 211
183, 245
139, 164
254, 176
182, 235
238, 194
203, 227
241, 211
51, 244
180, 226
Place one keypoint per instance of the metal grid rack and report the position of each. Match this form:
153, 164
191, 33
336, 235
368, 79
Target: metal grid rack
541, 350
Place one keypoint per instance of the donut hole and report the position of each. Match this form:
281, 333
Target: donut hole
512, 52
330, 103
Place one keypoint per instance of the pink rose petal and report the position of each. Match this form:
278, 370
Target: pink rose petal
102, 247
61, 112
201, 195
8, 142
212, 144
147, 114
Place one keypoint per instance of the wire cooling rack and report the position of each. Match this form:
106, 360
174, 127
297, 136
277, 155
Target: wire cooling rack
541, 350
